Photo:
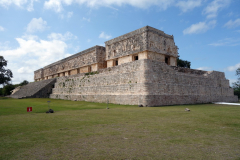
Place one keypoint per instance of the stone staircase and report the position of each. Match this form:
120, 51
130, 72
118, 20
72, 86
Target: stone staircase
41, 89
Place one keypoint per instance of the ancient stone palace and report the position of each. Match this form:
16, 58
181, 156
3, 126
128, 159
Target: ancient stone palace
144, 43
139, 67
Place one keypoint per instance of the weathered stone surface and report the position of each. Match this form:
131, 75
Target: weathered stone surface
79, 63
40, 89
157, 44
145, 82
16, 89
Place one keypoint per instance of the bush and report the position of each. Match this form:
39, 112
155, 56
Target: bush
237, 93
25, 82
183, 63
91, 73
7, 89
1, 91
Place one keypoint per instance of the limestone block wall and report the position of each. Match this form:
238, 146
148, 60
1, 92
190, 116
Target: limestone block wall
122, 84
38, 74
173, 61
172, 85
130, 43
161, 44
125, 59
147, 82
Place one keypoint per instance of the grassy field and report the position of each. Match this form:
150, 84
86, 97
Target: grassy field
83, 130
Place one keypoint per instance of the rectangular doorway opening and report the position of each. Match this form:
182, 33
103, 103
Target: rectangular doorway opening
135, 58
116, 63
167, 59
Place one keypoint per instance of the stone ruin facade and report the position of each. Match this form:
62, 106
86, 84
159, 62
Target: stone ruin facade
89, 60
139, 67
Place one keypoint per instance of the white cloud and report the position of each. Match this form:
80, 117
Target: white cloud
36, 25
233, 68
31, 55
30, 6
57, 5
231, 81
6, 3
227, 42
25, 70
62, 37
36, 48
19, 3
89, 40
205, 68
213, 8
200, 27
104, 36
86, 19
68, 15
30, 37
233, 24
188, 5
1, 28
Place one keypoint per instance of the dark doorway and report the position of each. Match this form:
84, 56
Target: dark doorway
135, 58
167, 60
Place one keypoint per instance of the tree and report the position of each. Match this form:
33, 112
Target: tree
5, 74
236, 85
183, 63
1, 91
7, 89
25, 82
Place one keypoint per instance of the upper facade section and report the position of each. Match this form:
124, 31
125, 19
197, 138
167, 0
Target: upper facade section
143, 39
88, 60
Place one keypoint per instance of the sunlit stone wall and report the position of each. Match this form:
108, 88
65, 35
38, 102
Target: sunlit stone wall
89, 60
146, 82
144, 43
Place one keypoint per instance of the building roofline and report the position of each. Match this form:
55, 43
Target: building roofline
138, 31
72, 56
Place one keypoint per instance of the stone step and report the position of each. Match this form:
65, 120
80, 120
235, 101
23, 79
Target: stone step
41, 89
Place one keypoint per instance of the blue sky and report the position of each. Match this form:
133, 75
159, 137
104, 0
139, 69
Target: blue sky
34, 33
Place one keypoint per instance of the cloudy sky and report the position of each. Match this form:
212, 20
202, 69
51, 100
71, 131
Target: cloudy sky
34, 33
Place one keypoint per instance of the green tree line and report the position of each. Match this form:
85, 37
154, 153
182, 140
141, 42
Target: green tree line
5, 78
6, 90
236, 85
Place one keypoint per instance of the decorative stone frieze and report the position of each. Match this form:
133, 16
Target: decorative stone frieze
74, 64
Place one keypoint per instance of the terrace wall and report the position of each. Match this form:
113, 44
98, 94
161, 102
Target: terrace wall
146, 82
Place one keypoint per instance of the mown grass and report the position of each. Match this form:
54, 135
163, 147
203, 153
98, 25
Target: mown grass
84, 130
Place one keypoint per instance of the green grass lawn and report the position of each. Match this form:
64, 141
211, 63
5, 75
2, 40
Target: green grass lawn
84, 130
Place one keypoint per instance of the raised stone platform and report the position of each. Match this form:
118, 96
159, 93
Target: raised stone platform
146, 82
41, 89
